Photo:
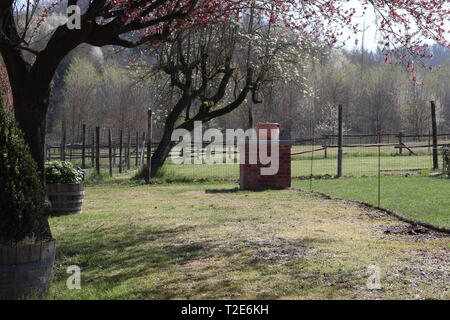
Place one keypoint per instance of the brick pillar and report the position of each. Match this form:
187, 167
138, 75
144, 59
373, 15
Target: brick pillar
250, 174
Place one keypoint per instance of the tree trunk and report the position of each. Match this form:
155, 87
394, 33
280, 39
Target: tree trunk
162, 151
160, 155
31, 116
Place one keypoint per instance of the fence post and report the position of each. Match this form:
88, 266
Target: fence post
83, 148
92, 149
325, 146
400, 143
313, 142
340, 141
137, 149
120, 150
110, 153
97, 150
70, 146
429, 141
435, 138
142, 155
62, 150
149, 145
114, 154
379, 168
129, 151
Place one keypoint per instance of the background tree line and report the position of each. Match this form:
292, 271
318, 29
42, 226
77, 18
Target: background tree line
102, 88
295, 83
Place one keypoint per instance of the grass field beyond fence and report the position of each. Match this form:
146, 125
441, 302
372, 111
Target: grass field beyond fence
420, 198
358, 160
301, 167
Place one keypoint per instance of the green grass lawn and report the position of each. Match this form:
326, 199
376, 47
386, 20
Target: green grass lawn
352, 166
211, 241
420, 198
359, 161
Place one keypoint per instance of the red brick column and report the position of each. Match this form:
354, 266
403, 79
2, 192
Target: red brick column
250, 174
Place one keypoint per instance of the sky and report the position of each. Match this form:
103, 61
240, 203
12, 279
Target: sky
371, 34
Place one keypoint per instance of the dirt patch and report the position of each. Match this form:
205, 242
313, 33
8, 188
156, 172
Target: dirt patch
425, 268
412, 232
278, 249
434, 264
368, 212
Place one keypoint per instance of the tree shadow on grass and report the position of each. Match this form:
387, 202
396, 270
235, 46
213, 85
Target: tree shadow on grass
266, 260
120, 253
112, 256
225, 191
238, 190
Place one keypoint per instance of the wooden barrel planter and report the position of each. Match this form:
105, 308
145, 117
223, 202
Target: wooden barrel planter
26, 270
65, 198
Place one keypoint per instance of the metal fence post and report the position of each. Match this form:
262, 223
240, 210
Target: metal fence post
149, 145
340, 141
435, 138
97, 150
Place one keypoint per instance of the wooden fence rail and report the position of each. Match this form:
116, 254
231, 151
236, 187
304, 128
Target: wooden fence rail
122, 148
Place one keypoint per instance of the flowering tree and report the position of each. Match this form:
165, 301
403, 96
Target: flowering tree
214, 70
31, 62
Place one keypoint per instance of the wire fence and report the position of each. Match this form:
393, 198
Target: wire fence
362, 155
363, 159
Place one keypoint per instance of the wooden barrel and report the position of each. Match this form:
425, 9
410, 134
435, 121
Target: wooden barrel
26, 270
65, 198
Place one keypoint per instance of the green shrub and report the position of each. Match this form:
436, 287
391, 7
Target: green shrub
164, 174
21, 192
63, 172
94, 177
142, 173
